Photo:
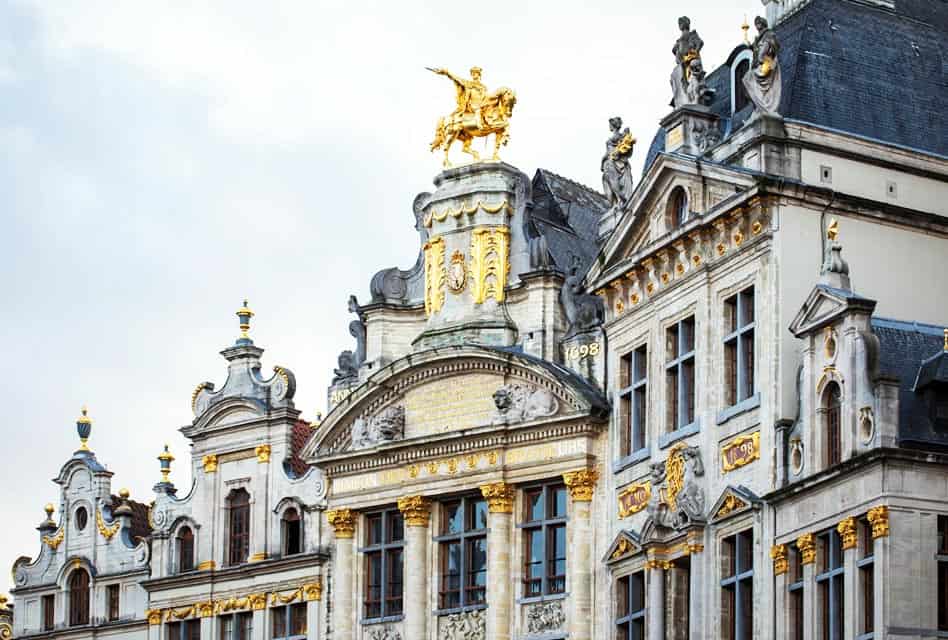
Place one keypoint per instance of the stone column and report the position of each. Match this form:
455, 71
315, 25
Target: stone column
344, 604
500, 499
698, 588
879, 519
655, 602
851, 604
417, 512
581, 484
155, 628
806, 543
778, 553
313, 594
260, 512
261, 624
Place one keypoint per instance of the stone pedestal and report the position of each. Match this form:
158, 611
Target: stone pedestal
416, 511
344, 603
691, 130
474, 252
500, 498
585, 353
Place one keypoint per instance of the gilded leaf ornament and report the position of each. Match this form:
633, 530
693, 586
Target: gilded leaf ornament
55, 540
489, 262
434, 275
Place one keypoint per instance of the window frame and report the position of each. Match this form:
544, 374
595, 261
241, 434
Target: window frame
285, 525
180, 555
634, 427
545, 525
831, 578
465, 538
48, 611
741, 338
184, 630
678, 364
288, 621
113, 602
627, 623
238, 556
865, 568
795, 593
832, 423
235, 618
737, 582
385, 548
79, 613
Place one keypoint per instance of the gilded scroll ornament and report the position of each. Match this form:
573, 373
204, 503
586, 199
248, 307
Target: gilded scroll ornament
500, 497
731, 504
879, 519
740, 451
581, 484
55, 540
778, 553
106, 530
343, 522
257, 601
434, 275
263, 453
210, 463
313, 591
634, 498
624, 548
489, 262
416, 510
807, 546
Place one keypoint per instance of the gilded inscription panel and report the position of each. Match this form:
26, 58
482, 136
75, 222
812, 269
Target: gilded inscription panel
451, 404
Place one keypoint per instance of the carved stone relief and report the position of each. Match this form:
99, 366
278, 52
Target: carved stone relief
466, 625
522, 403
385, 426
677, 495
545, 617
383, 632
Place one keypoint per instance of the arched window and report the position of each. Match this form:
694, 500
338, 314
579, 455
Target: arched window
185, 549
78, 598
740, 94
677, 208
292, 532
239, 532
832, 405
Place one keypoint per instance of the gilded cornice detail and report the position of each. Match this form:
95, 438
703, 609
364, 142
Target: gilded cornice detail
499, 496
464, 208
879, 519
106, 530
581, 484
343, 522
307, 592
416, 510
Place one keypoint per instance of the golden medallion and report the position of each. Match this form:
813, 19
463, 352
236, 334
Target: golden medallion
457, 273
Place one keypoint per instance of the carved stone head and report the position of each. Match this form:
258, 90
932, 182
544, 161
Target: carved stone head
684, 23
615, 123
761, 23
503, 399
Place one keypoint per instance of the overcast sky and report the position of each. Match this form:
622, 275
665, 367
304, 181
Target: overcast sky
160, 163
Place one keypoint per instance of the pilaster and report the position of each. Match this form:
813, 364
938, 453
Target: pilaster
847, 533
417, 513
655, 602
879, 519
500, 500
696, 622
344, 609
807, 546
778, 553
259, 518
581, 484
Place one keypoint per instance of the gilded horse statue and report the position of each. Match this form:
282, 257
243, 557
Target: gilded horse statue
478, 115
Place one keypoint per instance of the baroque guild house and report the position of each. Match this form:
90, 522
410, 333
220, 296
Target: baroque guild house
700, 404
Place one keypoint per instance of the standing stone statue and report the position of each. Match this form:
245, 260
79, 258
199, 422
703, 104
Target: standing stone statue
687, 51
762, 80
616, 172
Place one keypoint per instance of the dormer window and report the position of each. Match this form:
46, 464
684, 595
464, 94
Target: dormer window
185, 549
832, 424
739, 68
292, 532
239, 526
79, 598
678, 208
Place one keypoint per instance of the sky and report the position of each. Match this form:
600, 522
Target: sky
163, 161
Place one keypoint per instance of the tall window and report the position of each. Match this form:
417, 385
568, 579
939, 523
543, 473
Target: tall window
632, 400
795, 591
942, 557
737, 586
78, 598
739, 346
184, 630
112, 601
866, 578
630, 608
237, 626
544, 531
680, 374
292, 532
385, 543
740, 94
830, 584
185, 541
239, 503
833, 421
289, 623
49, 612
463, 545
678, 207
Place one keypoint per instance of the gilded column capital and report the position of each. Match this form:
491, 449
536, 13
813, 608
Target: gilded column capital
313, 591
778, 553
416, 509
879, 519
581, 484
343, 522
263, 453
210, 463
807, 546
847, 531
500, 497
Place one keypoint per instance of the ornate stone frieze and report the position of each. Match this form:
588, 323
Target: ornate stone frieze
545, 617
879, 519
466, 625
500, 497
383, 632
416, 510
343, 522
385, 426
522, 403
677, 495
581, 484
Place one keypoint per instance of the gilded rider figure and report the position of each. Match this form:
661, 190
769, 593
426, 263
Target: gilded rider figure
687, 49
616, 172
470, 94
762, 81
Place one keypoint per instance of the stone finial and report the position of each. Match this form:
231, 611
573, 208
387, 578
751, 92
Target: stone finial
778, 553
164, 461
244, 314
834, 271
416, 510
847, 531
84, 428
745, 28
500, 497
807, 546
49, 509
879, 519
581, 484
343, 522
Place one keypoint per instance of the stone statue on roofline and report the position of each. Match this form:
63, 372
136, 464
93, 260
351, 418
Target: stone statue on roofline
688, 78
762, 81
616, 172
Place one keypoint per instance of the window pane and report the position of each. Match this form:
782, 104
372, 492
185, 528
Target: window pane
747, 609
622, 597
227, 627
688, 390
373, 525
687, 335
728, 619
747, 358
747, 306
396, 527
477, 571
298, 619
479, 514
533, 569
534, 502
639, 419
730, 372
625, 371
558, 502
746, 544
641, 363
453, 518
943, 596
245, 626
373, 588
730, 315
557, 568
395, 582
279, 622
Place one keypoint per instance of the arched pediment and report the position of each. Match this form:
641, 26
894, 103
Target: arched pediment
230, 411
453, 390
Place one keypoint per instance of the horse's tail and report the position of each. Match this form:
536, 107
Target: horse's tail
439, 135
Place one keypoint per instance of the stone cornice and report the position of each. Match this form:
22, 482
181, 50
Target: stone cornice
227, 574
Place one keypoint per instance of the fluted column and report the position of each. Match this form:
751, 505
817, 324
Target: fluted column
417, 513
581, 484
344, 605
655, 604
500, 499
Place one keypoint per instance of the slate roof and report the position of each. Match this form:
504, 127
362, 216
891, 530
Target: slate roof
865, 70
903, 347
140, 527
567, 215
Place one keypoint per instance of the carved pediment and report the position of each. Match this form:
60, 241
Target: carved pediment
625, 545
825, 305
733, 501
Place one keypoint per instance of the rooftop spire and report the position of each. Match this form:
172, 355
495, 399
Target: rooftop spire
84, 428
244, 314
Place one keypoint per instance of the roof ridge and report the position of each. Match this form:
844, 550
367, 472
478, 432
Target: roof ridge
571, 181
909, 325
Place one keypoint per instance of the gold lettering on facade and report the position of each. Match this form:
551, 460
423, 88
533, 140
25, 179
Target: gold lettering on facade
634, 498
578, 352
740, 451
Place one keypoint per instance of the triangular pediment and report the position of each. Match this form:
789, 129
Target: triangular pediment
625, 545
445, 393
733, 501
824, 306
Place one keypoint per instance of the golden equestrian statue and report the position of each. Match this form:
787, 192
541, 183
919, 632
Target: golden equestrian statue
478, 114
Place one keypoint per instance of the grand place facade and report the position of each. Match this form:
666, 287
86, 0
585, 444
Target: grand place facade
710, 401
